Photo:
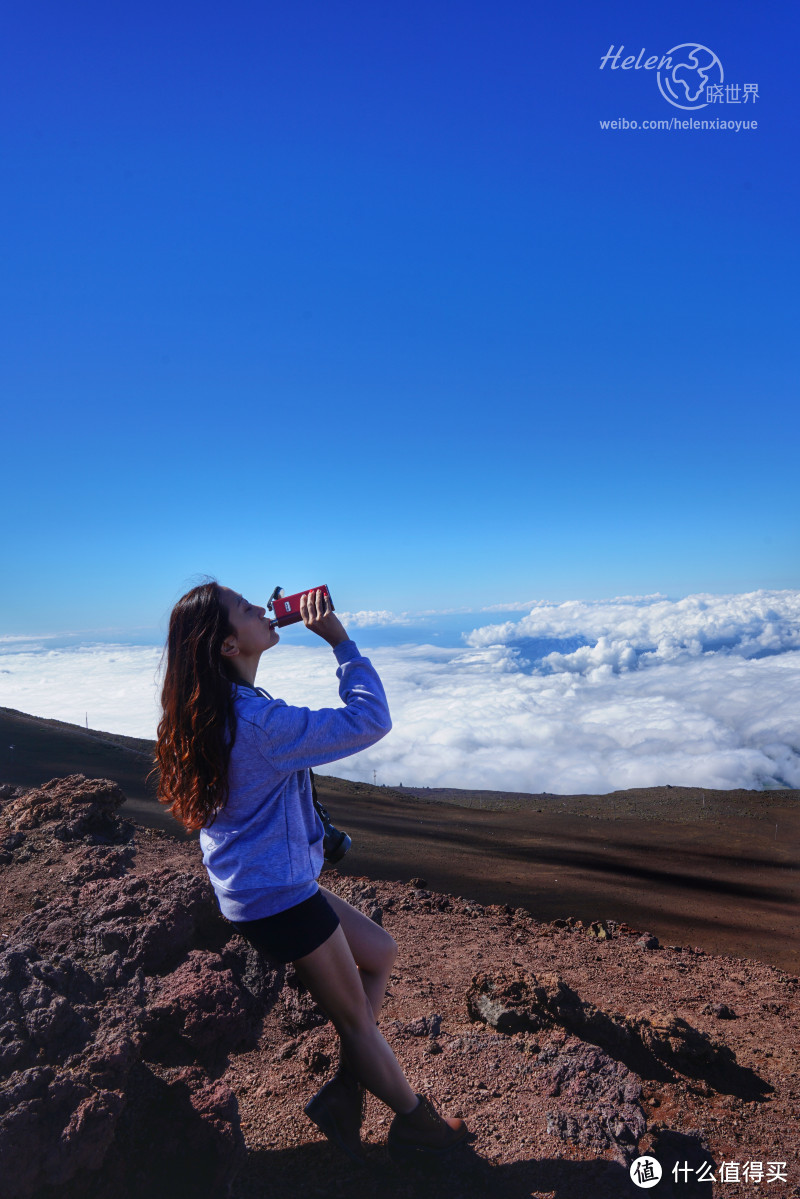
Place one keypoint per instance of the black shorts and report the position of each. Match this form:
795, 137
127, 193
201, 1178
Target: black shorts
293, 933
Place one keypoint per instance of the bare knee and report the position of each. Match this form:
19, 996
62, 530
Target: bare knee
382, 957
391, 951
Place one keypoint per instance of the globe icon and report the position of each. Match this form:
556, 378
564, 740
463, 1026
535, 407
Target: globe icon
694, 68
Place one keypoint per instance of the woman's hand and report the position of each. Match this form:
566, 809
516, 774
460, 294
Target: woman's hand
315, 609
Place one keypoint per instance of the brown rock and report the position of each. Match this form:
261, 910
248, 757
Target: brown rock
672, 1040
197, 1008
600, 1100
521, 1002
115, 1016
77, 807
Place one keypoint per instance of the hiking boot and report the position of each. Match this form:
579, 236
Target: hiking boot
424, 1133
337, 1110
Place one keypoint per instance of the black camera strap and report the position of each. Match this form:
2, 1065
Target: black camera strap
323, 812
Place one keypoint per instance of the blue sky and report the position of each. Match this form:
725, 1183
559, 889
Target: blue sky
363, 294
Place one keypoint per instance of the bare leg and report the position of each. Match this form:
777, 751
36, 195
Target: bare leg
373, 949
332, 977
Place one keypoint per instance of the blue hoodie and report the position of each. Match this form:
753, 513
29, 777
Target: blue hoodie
263, 850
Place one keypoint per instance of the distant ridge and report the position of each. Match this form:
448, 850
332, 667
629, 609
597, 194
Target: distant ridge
44, 749
138, 744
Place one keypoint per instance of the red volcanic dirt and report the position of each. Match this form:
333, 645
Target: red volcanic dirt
569, 1043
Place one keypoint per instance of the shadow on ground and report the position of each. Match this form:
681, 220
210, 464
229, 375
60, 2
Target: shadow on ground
317, 1171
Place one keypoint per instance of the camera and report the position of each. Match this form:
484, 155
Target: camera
335, 843
287, 607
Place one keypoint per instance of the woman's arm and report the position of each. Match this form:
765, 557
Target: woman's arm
292, 738
295, 738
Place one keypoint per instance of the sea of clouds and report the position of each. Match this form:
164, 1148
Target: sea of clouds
583, 696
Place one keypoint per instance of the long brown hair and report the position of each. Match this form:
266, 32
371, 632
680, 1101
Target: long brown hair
198, 722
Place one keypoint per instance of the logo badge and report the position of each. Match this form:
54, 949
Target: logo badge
692, 68
645, 1172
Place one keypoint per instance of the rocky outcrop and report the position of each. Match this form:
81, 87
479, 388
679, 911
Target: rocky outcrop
600, 1100
77, 808
520, 1001
120, 1008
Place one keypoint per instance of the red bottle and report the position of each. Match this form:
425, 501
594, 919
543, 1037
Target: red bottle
287, 607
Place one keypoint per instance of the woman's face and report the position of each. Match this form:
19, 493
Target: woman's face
253, 633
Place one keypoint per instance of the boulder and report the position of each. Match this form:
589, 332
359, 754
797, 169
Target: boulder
600, 1100
76, 807
519, 1001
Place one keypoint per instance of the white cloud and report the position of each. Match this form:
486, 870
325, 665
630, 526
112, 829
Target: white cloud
577, 697
384, 618
716, 722
757, 622
17, 642
367, 619
515, 606
116, 686
15, 639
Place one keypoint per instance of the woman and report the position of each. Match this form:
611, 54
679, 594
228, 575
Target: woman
234, 763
